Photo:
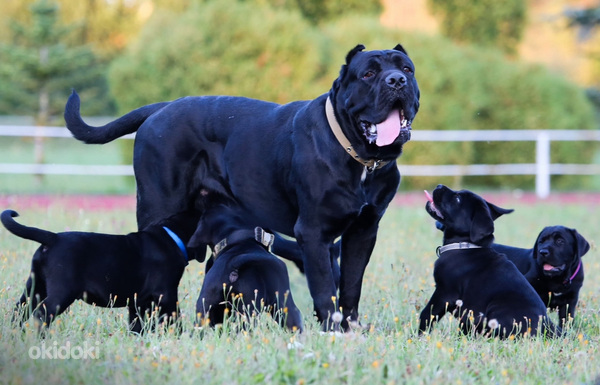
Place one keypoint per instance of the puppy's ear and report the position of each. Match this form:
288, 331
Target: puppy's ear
353, 52
581, 244
198, 243
496, 211
399, 47
482, 226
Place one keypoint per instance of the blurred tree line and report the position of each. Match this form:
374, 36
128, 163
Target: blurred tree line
284, 50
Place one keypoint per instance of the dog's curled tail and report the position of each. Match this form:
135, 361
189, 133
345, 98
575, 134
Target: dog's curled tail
33, 234
127, 124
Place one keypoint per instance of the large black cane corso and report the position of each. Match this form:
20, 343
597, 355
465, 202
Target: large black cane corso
315, 170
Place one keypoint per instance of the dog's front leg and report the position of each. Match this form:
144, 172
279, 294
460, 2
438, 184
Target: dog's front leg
435, 309
357, 245
319, 274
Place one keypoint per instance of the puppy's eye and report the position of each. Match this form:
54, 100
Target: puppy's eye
408, 70
457, 199
560, 241
368, 75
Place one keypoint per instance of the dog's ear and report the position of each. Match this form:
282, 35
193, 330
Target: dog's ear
353, 52
399, 47
581, 244
496, 211
482, 226
198, 243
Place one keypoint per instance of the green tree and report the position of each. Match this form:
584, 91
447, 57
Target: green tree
587, 21
483, 22
319, 11
38, 68
223, 47
108, 25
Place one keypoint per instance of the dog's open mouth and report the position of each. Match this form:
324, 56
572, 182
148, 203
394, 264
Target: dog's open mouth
549, 269
386, 132
432, 206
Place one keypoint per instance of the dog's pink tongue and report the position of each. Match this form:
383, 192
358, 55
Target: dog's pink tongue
548, 267
428, 195
389, 129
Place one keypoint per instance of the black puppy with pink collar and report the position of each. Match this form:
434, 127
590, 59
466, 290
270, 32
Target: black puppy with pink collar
476, 283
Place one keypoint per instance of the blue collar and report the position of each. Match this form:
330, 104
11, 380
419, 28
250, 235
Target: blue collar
178, 241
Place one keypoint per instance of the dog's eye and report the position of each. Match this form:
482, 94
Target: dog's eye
457, 199
560, 241
368, 74
408, 70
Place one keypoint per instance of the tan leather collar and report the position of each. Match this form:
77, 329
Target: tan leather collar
371, 164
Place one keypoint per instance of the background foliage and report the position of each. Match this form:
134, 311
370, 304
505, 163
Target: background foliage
484, 22
275, 50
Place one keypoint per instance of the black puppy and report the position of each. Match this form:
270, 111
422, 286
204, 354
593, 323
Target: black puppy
553, 266
242, 274
314, 170
138, 270
482, 286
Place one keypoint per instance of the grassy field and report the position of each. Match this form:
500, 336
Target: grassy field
397, 284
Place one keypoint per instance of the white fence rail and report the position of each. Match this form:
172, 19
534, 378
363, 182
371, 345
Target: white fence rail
543, 168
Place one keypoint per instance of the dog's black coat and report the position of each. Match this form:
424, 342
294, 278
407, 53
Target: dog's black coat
243, 267
486, 290
281, 163
560, 249
138, 270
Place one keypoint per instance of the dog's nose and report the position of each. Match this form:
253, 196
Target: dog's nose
396, 79
544, 252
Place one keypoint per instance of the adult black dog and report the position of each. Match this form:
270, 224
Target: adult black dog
314, 170
553, 267
139, 270
242, 274
482, 286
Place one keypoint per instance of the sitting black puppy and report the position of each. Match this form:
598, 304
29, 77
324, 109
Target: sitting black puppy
241, 274
487, 292
138, 270
553, 267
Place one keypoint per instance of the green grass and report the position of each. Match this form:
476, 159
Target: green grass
398, 282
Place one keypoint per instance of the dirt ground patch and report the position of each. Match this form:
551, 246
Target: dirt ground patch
416, 198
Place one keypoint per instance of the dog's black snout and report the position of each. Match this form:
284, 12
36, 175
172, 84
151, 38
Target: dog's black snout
396, 79
544, 252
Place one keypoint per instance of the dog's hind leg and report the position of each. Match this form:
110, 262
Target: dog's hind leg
33, 295
52, 307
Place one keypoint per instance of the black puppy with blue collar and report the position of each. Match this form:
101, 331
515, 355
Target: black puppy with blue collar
139, 270
480, 286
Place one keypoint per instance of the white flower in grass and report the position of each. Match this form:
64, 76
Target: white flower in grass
459, 302
493, 324
337, 317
